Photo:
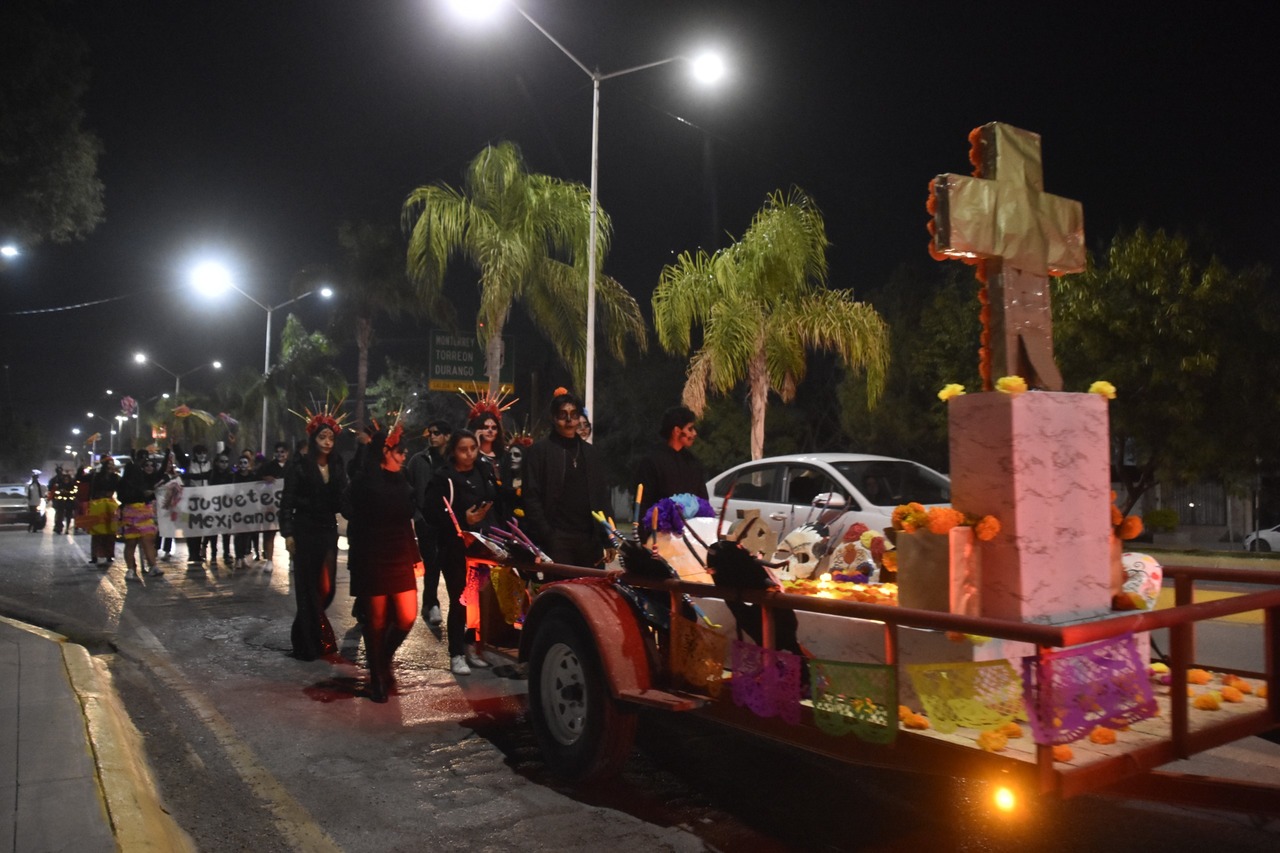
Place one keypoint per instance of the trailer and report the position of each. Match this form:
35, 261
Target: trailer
600, 646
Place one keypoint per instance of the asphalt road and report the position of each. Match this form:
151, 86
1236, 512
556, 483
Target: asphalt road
256, 751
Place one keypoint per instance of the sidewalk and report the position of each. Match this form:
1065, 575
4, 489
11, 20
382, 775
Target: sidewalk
73, 775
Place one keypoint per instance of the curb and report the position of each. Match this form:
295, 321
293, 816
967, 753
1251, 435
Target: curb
126, 787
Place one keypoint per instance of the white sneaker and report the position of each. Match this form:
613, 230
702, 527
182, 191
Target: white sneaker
267, 568
476, 659
153, 571
132, 575
434, 618
458, 665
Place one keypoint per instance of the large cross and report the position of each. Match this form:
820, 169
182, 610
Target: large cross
1025, 235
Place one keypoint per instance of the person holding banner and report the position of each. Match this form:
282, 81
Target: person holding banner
383, 554
308, 515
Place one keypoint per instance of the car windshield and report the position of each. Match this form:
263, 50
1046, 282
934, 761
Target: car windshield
889, 482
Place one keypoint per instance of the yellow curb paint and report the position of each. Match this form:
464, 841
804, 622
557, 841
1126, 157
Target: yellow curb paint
1253, 617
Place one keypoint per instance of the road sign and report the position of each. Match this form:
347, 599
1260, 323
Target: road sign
457, 362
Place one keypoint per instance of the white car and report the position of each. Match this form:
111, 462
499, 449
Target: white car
1263, 540
792, 490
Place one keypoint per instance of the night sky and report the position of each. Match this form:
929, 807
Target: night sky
247, 131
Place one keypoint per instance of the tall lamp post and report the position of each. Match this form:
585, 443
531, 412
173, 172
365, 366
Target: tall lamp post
212, 279
707, 68
141, 358
111, 444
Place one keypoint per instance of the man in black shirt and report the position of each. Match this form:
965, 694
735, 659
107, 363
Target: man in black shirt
419, 471
672, 469
563, 484
269, 472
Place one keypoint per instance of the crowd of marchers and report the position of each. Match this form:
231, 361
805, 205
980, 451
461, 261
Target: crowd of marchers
407, 516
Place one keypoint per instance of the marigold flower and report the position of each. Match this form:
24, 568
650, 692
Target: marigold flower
1130, 527
1011, 730
993, 741
1232, 694
915, 721
1104, 388
1262, 691
950, 390
1117, 517
987, 528
1011, 385
1102, 735
1198, 676
1207, 702
941, 519
1062, 752
910, 517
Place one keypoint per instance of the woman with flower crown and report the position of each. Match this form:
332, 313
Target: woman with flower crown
379, 506
309, 506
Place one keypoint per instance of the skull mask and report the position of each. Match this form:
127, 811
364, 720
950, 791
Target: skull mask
803, 549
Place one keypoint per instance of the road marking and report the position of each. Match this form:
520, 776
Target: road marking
299, 829
1252, 617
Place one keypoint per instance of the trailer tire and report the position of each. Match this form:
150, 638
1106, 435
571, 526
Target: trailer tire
583, 732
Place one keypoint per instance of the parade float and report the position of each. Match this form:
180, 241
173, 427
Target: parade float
1006, 636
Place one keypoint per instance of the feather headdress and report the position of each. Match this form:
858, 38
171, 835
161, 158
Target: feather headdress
328, 416
484, 404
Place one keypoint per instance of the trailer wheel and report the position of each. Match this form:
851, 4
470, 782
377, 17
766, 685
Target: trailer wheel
583, 732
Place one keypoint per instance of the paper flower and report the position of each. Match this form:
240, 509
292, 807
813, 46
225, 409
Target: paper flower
1011, 385
1104, 388
949, 391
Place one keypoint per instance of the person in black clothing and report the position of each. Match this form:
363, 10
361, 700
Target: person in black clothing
246, 543
308, 520
196, 473
421, 468
221, 475
271, 471
62, 491
469, 487
563, 484
672, 469
138, 513
379, 507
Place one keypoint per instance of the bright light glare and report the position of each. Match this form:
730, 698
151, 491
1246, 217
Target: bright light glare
165, 395
326, 292
210, 278
708, 67
1005, 799
140, 357
217, 365
476, 10
9, 251
75, 430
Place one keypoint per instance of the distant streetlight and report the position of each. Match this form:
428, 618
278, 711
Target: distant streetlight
111, 444
9, 250
213, 279
141, 358
708, 67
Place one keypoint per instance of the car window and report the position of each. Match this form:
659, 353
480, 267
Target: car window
759, 483
889, 482
803, 484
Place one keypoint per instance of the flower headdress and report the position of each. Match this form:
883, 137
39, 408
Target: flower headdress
394, 434
484, 404
328, 416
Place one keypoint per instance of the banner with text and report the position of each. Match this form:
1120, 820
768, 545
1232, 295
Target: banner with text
186, 512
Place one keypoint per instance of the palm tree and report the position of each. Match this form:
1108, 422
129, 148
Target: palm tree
526, 235
762, 304
304, 375
373, 283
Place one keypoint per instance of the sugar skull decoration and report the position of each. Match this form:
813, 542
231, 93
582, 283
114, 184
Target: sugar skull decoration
1143, 577
803, 550
859, 554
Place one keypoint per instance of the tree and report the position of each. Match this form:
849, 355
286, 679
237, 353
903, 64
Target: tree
525, 234
1189, 345
762, 304
49, 187
934, 330
304, 376
374, 284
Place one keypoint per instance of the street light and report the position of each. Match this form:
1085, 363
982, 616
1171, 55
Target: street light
141, 358
213, 279
707, 67
111, 444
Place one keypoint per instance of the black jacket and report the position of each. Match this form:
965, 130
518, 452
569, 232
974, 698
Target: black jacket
544, 472
307, 498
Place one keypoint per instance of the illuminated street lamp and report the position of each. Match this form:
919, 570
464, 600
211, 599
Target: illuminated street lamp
111, 444
707, 67
213, 279
141, 358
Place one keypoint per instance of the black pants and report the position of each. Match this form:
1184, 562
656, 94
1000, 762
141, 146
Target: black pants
315, 571
427, 549
575, 549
